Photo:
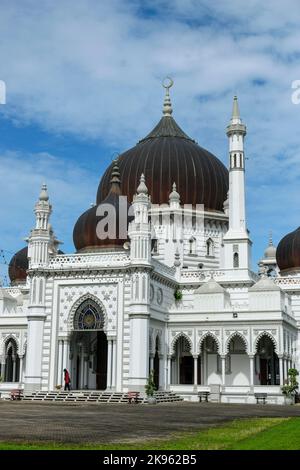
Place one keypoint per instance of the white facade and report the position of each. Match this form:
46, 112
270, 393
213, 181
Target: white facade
233, 331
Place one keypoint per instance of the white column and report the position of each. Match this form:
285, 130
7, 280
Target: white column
86, 371
14, 361
66, 353
21, 368
162, 383
281, 372
109, 352
3, 368
151, 362
223, 359
251, 358
114, 364
195, 372
82, 368
139, 348
204, 366
59, 363
169, 362
33, 373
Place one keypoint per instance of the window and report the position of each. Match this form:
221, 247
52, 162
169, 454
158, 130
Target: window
209, 247
89, 316
236, 260
154, 243
192, 243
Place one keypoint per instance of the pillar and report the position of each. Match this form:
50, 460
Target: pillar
66, 354
223, 359
281, 371
109, 363
3, 368
14, 375
59, 380
162, 381
114, 364
82, 367
35, 329
139, 350
21, 356
195, 371
251, 358
169, 363
86, 370
151, 362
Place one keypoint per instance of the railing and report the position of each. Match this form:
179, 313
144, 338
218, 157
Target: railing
220, 275
88, 260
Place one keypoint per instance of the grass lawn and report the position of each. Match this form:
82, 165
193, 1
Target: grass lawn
248, 434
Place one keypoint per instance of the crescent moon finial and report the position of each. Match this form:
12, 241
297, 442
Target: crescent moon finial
167, 83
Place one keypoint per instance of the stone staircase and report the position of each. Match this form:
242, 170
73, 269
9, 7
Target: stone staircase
96, 396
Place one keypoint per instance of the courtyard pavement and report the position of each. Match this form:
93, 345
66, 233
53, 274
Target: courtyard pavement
105, 423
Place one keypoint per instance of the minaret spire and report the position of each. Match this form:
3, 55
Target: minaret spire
167, 108
237, 243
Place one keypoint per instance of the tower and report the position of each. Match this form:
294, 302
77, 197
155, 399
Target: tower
38, 254
237, 243
140, 252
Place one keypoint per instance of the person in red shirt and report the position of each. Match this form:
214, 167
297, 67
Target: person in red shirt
67, 380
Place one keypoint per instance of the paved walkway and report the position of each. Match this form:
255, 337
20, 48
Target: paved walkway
103, 423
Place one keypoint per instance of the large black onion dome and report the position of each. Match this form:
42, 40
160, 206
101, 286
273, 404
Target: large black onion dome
165, 156
288, 251
18, 265
85, 230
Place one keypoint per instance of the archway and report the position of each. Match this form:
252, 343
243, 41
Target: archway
12, 362
209, 368
182, 362
237, 369
89, 347
266, 362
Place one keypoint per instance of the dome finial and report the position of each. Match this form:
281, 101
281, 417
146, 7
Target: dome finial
142, 188
235, 109
44, 193
270, 238
115, 173
167, 108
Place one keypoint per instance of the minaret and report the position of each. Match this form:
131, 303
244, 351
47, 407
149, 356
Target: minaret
139, 229
237, 243
140, 253
40, 237
38, 254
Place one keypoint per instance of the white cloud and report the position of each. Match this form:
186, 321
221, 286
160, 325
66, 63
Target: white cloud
93, 69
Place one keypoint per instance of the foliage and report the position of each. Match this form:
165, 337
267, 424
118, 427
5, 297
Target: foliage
1, 379
150, 387
291, 388
178, 294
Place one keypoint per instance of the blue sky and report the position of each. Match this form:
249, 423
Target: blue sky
83, 82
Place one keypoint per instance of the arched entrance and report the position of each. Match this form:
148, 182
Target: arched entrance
89, 347
182, 366
156, 364
210, 361
12, 362
237, 369
266, 362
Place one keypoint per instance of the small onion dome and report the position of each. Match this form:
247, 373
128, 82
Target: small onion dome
85, 231
270, 251
288, 251
17, 268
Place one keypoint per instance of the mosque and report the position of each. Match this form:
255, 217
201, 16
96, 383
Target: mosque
161, 280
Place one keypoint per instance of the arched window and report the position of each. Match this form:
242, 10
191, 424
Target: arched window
89, 316
192, 246
209, 247
12, 362
236, 260
154, 244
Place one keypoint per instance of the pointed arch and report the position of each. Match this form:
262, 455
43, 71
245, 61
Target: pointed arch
270, 336
238, 335
6, 340
78, 303
207, 335
176, 338
210, 247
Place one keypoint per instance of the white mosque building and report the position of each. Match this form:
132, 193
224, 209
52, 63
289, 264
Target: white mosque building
175, 294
